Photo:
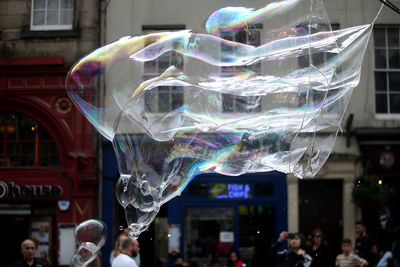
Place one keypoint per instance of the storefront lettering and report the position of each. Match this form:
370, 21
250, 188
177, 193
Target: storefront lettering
234, 191
238, 191
4, 189
29, 191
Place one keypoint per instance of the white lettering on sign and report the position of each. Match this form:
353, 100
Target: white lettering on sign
29, 191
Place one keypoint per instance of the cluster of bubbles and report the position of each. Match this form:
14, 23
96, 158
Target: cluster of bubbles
257, 89
90, 236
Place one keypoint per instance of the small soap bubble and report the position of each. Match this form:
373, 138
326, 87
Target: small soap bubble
121, 228
90, 236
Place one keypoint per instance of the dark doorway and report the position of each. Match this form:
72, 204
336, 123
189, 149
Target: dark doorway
320, 206
13, 230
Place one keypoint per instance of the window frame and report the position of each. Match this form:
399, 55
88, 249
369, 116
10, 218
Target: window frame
51, 27
386, 70
37, 142
324, 57
258, 67
146, 29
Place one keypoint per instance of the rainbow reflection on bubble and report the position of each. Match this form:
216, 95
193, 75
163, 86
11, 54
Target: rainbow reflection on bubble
258, 89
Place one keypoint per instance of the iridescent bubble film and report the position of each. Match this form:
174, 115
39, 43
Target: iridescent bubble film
90, 236
256, 89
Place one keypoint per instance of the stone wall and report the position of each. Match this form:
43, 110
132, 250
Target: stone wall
16, 38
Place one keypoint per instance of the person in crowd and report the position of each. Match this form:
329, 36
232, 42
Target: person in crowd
214, 263
179, 262
296, 255
234, 260
117, 248
28, 250
349, 259
396, 246
392, 257
319, 251
384, 238
129, 249
365, 245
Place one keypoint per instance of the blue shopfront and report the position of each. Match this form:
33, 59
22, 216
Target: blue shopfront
214, 215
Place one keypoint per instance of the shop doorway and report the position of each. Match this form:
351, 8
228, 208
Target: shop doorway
22, 221
216, 231
320, 206
13, 229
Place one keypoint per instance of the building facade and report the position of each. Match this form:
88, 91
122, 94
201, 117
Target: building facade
48, 164
367, 145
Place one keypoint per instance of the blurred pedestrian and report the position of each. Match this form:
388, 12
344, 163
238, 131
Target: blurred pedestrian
296, 255
347, 258
234, 260
214, 263
384, 238
365, 245
28, 250
319, 251
117, 248
179, 262
129, 249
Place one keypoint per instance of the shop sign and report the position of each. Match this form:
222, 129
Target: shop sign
386, 160
13, 191
230, 191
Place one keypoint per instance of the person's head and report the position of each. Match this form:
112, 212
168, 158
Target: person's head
28, 249
233, 256
297, 242
136, 248
383, 219
317, 236
127, 246
178, 262
360, 228
346, 246
215, 263
118, 244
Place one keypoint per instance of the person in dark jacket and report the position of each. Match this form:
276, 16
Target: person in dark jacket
365, 245
296, 255
28, 250
319, 251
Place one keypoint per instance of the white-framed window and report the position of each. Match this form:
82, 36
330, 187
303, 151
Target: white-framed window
51, 15
241, 104
318, 61
387, 71
163, 98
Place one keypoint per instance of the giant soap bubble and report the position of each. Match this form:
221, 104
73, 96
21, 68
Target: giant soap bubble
256, 89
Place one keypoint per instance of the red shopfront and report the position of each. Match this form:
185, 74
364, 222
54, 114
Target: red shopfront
48, 182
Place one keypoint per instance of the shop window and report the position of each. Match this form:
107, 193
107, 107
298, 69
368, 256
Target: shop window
25, 143
209, 231
241, 104
197, 189
51, 15
163, 98
387, 70
265, 189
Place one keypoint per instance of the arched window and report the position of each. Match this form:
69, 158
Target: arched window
25, 143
